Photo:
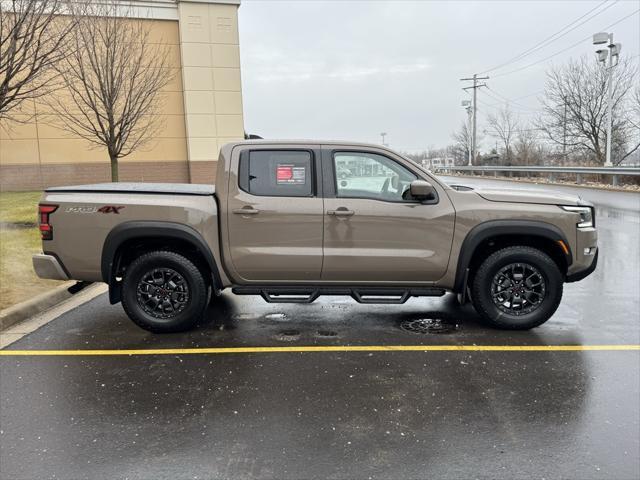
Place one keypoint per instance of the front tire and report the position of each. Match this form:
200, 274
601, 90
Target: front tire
517, 288
164, 292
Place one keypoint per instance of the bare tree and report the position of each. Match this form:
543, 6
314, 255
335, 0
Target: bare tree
636, 106
634, 112
33, 39
527, 149
114, 79
575, 109
633, 153
503, 126
462, 144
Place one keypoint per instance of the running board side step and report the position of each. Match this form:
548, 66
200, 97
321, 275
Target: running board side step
368, 295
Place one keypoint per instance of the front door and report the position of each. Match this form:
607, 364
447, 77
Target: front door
275, 215
374, 231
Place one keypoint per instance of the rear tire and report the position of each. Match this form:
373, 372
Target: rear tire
517, 288
164, 292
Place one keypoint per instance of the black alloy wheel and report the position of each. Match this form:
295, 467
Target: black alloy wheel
518, 288
164, 291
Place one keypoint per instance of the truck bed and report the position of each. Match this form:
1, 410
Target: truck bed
131, 187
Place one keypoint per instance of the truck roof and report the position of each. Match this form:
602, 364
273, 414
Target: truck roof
305, 142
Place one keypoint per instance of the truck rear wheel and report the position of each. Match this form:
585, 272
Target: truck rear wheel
517, 288
164, 292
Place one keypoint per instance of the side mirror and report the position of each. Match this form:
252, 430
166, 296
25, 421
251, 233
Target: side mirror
422, 190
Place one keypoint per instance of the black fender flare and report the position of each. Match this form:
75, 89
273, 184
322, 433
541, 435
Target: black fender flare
158, 229
494, 228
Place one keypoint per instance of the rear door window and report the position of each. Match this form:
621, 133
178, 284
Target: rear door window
277, 173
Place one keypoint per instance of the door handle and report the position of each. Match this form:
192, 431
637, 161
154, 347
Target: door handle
341, 212
246, 211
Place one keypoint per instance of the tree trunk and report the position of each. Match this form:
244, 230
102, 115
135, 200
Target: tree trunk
114, 168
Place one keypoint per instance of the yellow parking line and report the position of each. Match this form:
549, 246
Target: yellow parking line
337, 348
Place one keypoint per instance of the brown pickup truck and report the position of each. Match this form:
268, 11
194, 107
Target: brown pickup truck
294, 220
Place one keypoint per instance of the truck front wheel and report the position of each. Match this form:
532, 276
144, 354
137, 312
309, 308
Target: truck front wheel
517, 288
164, 292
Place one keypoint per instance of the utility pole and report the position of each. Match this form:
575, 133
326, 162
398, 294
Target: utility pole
474, 107
469, 128
467, 105
383, 134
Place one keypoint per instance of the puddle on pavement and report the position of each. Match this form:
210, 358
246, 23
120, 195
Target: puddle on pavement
326, 333
288, 335
424, 326
276, 316
245, 316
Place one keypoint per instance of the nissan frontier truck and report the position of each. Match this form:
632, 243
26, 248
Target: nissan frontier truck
285, 222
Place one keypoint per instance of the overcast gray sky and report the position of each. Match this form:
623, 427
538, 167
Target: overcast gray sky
350, 70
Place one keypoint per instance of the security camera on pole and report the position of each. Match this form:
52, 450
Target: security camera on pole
614, 51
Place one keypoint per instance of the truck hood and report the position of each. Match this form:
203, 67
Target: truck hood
546, 197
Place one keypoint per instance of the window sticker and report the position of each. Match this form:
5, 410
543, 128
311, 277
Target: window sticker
287, 174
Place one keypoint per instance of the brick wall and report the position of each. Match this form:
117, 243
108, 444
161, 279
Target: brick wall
35, 177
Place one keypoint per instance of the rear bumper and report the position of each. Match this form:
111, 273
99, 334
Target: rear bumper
48, 266
579, 275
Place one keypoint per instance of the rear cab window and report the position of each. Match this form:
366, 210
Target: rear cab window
277, 173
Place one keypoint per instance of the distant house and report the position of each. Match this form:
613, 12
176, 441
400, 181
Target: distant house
438, 162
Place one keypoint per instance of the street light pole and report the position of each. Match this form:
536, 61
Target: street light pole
613, 51
607, 162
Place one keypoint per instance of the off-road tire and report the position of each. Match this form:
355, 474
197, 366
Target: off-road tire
193, 307
481, 288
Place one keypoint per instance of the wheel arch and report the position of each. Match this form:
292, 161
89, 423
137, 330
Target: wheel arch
542, 235
153, 234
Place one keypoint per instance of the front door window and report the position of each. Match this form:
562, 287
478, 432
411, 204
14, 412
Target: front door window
372, 176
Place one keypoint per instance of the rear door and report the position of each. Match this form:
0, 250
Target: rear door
374, 231
275, 214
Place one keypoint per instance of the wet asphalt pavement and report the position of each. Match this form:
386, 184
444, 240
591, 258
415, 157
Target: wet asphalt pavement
294, 415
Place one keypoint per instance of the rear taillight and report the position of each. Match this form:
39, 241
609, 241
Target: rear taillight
46, 230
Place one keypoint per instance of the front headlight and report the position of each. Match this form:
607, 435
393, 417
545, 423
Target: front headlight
586, 215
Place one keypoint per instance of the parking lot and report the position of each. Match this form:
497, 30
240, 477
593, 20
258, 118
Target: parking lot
420, 390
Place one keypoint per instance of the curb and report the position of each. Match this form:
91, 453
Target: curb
38, 304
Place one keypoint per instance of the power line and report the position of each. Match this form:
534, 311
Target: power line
513, 106
552, 38
517, 130
507, 100
565, 49
501, 102
519, 112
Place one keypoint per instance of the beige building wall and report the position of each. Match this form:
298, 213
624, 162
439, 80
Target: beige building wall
211, 80
202, 109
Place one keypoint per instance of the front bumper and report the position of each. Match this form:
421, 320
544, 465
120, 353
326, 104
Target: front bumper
580, 274
48, 266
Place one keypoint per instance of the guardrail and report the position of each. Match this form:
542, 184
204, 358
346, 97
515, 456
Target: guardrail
615, 172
